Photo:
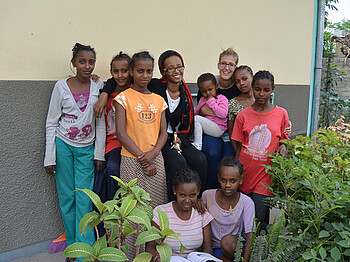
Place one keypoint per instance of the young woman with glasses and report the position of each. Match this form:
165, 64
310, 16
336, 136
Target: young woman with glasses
178, 152
216, 148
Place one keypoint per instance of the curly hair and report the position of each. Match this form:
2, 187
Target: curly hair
186, 175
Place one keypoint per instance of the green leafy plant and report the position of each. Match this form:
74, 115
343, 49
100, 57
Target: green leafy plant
130, 206
277, 245
312, 187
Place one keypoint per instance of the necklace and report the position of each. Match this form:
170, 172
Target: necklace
230, 209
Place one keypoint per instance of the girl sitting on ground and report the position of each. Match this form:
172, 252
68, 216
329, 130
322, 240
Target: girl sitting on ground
233, 212
194, 228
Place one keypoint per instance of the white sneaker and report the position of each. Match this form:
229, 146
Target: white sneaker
198, 146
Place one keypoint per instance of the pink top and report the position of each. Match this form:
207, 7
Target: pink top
237, 222
191, 230
219, 106
259, 134
82, 99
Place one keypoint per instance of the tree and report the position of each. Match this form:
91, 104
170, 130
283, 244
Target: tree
332, 105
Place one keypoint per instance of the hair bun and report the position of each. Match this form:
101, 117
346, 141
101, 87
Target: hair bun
76, 46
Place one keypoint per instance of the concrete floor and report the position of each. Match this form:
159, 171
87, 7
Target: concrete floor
59, 257
43, 257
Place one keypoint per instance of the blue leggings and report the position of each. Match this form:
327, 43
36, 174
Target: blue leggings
74, 169
215, 150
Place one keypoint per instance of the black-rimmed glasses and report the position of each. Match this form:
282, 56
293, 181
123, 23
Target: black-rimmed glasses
173, 69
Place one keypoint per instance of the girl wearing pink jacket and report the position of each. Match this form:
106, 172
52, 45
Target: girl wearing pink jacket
215, 123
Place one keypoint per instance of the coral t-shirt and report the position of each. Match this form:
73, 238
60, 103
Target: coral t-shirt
111, 139
259, 134
143, 115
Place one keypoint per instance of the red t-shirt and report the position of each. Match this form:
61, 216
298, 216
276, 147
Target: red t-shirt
111, 140
259, 134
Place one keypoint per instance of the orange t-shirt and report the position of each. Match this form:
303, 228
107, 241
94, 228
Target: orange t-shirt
142, 119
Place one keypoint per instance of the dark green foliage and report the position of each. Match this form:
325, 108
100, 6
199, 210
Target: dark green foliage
277, 245
312, 187
239, 250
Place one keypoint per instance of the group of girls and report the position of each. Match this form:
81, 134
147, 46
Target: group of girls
150, 138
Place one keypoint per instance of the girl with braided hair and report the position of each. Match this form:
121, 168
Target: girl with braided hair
105, 186
74, 139
141, 129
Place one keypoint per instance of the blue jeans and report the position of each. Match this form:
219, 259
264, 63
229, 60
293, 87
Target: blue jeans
215, 150
105, 186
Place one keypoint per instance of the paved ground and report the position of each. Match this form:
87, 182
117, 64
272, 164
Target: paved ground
43, 257
59, 257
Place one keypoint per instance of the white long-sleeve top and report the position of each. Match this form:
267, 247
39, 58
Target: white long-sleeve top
76, 128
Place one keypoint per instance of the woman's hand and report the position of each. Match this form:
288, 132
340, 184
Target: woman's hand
50, 170
288, 130
100, 165
178, 140
151, 247
147, 158
199, 206
151, 170
206, 111
207, 247
95, 78
100, 105
282, 150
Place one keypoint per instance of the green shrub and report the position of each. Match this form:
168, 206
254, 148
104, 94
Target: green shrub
312, 187
130, 204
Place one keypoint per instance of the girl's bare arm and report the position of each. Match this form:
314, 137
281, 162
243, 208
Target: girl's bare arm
207, 247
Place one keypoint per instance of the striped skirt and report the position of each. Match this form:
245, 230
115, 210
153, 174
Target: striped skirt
131, 168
